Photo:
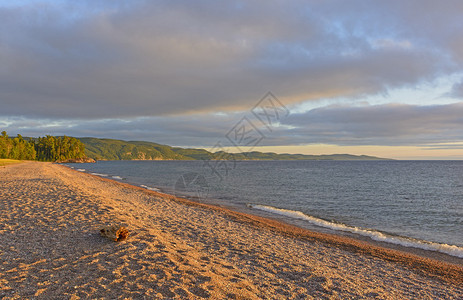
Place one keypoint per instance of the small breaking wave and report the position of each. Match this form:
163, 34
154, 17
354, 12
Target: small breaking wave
373, 234
150, 188
99, 174
81, 170
117, 177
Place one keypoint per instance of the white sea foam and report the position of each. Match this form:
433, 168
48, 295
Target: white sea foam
117, 177
373, 234
99, 174
150, 188
81, 170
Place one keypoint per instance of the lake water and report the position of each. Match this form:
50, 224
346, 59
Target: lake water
412, 203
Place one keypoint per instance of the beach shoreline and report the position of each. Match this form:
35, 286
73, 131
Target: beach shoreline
230, 251
289, 222
301, 225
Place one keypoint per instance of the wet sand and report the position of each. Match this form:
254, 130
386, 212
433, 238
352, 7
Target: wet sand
50, 247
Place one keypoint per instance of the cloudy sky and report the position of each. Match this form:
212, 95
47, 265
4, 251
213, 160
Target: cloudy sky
362, 77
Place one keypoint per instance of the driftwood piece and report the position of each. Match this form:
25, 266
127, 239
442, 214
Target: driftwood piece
114, 232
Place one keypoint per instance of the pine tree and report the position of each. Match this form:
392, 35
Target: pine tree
48, 148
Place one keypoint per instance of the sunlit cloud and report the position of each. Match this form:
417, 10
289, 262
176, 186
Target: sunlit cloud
181, 73
112, 60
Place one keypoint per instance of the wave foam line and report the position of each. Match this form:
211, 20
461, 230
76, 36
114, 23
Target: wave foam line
150, 188
99, 174
373, 234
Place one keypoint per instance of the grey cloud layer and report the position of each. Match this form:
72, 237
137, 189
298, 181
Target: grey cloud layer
457, 90
392, 124
153, 58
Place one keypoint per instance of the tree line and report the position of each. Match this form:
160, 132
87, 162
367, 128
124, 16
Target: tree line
48, 148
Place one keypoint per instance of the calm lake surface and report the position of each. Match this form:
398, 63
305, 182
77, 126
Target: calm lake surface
412, 203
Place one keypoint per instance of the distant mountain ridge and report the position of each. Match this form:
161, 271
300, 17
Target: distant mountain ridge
111, 149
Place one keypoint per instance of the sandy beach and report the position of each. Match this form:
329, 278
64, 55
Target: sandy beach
51, 248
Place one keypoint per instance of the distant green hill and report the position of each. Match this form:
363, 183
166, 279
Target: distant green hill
110, 149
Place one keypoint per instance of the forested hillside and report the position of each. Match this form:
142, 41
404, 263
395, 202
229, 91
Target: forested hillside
110, 149
51, 148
